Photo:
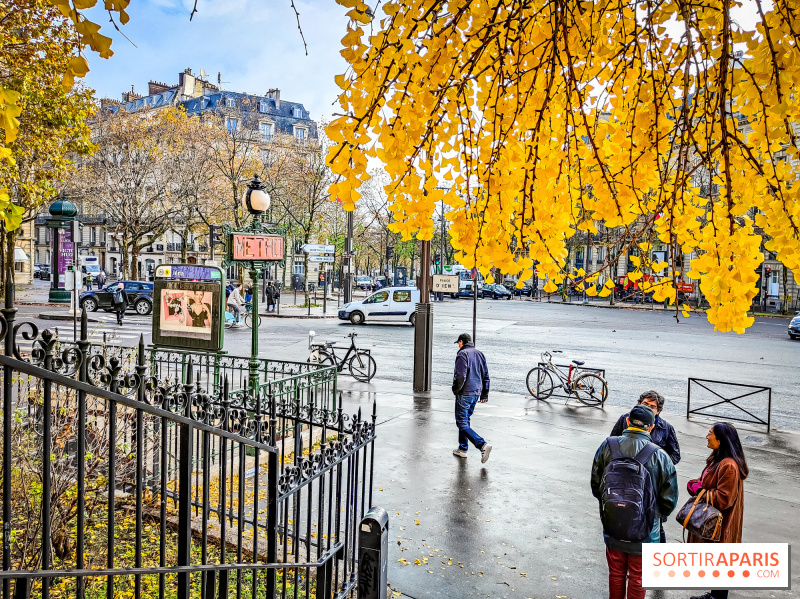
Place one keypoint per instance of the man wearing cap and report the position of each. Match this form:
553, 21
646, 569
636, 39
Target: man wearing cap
470, 385
623, 556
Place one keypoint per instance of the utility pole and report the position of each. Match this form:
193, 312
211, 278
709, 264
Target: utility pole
348, 251
474, 305
586, 264
423, 327
441, 254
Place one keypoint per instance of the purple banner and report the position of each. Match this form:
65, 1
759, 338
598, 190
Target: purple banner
66, 255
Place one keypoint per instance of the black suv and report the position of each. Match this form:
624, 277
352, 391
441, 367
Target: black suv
140, 297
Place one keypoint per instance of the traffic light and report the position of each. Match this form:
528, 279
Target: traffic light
389, 252
767, 272
215, 235
436, 259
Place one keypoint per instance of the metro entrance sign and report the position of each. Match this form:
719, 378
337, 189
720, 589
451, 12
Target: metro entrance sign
258, 248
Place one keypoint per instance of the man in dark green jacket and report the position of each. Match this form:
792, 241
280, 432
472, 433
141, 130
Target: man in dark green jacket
624, 557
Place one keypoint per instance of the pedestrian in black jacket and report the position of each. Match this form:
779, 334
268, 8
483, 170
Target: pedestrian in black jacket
470, 385
120, 300
663, 434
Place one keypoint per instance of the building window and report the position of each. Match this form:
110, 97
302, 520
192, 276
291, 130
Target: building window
230, 103
264, 155
300, 133
266, 131
298, 268
232, 125
298, 113
262, 106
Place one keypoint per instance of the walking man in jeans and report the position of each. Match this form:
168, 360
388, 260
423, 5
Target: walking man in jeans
470, 385
624, 556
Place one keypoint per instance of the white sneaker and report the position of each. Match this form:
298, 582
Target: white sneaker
460, 453
485, 451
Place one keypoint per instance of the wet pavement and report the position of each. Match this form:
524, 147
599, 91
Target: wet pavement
525, 523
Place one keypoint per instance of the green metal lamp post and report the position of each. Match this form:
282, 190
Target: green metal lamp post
63, 245
256, 201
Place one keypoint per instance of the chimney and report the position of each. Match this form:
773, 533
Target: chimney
130, 96
186, 83
276, 95
156, 87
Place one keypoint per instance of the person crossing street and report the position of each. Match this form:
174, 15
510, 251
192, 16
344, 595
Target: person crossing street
470, 385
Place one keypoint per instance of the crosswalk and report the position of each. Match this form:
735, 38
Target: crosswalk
106, 329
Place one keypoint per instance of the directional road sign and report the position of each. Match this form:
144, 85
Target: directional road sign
320, 258
310, 248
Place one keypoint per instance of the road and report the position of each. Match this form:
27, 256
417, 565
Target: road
639, 349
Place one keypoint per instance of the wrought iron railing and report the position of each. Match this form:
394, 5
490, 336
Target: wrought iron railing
129, 472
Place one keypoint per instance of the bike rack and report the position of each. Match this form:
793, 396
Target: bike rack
575, 369
722, 400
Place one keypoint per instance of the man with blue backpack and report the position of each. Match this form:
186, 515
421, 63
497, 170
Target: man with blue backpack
635, 482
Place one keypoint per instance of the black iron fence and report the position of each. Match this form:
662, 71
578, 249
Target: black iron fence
751, 404
129, 472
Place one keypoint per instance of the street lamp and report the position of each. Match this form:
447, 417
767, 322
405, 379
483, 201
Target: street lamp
256, 200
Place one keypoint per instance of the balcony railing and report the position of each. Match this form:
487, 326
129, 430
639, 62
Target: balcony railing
160, 247
174, 247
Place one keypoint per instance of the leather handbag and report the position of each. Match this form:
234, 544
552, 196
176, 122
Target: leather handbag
701, 518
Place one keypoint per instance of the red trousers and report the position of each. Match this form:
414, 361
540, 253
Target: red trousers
624, 569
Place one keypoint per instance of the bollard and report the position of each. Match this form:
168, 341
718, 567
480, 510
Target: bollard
373, 554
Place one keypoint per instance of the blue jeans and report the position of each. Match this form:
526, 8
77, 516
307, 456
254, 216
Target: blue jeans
465, 405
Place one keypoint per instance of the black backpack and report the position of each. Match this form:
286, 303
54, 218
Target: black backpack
628, 504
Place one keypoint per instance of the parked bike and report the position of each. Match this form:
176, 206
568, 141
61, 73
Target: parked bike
588, 388
359, 361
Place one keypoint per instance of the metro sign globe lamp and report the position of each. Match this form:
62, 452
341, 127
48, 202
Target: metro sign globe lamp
256, 199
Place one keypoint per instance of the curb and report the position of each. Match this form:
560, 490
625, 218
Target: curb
41, 305
62, 316
304, 316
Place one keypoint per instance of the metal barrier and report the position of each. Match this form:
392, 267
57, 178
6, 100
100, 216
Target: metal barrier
155, 476
720, 399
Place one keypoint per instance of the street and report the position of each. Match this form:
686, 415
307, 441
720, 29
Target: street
639, 349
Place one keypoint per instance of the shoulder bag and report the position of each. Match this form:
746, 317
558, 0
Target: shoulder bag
701, 518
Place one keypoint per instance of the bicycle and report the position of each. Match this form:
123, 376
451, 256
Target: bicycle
246, 318
361, 364
588, 388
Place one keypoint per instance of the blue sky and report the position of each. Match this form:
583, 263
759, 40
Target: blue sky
255, 44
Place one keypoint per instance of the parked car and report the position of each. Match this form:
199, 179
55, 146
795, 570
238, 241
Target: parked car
140, 297
364, 282
496, 291
395, 304
794, 326
524, 290
44, 272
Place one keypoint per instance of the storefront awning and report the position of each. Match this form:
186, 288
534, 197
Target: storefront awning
20, 255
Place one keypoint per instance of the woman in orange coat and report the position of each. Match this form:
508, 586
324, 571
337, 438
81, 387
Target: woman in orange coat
724, 474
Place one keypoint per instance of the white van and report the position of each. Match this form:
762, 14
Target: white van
393, 304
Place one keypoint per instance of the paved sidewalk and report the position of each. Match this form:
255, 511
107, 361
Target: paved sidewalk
525, 524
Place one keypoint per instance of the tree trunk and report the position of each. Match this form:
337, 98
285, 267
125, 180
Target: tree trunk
135, 262
8, 239
785, 302
124, 257
184, 249
3, 262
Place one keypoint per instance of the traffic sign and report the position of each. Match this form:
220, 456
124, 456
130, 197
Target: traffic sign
310, 248
320, 258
